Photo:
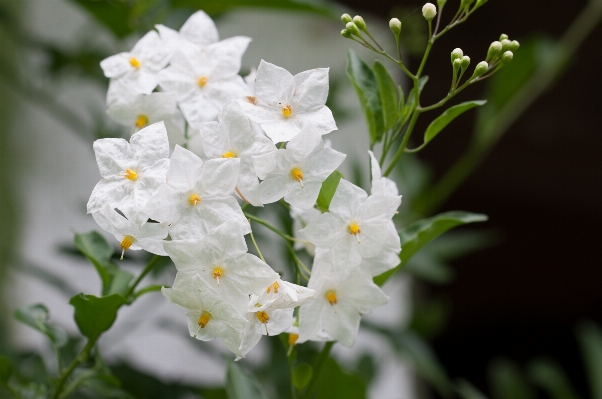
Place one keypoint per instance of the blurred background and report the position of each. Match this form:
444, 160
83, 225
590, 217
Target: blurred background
486, 304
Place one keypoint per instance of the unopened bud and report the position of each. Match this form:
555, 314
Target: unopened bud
465, 62
514, 45
495, 49
346, 33
441, 3
346, 18
506, 44
507, 57
457, 53
457, 64
360, 23
503, 36
480, 69
352, 28
429, 11
395, 26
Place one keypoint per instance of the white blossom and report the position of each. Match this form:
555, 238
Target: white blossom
284, 295
199, 30
301, 217
381, 185
282, 103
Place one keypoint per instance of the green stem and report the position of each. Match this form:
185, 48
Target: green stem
81, 357
149, 266
150, 288
257, 248
404, 142
317, 369
269, 226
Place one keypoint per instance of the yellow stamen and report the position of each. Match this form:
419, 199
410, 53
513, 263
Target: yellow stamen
331, 297
141, 121
263, 318
218, 273
229, 154
287, 110
134, 62
130, 175
274, 286
203, 81
297, 174
292, 339
354, 229
202, 322
194, 199
126, 243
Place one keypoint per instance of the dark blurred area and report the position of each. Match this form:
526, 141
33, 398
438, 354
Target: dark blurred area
541, 187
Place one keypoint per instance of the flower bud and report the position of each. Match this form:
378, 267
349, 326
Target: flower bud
507, 57
480, 69
514, 45
503, 36
346, 33
360, 23
429, 11
495, 49
346, 18
395, 26
441, 3
465, 62
457, 64
457, 53
352, 28
506, 44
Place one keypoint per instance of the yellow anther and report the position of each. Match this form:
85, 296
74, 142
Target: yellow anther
292, 339
134, 62
331, 297
297, 174
218, 272
287, 110
130, 175
204, 319
274, 286
354, 229
262, 317
141, 121
203, 81
194, 199
126, 243
229, 154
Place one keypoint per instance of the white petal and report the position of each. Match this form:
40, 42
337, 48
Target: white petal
322, 164
185, 169
150, 144
303, 146
273, 84
116, 65
311, 89
219, 177
325, 231
199, 28
274, 188
319, 118
305, 196
347, 200
113, 156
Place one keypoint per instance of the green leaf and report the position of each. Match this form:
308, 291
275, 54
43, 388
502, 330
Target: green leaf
329, 186
6, 369
467, 391
120, 280
363, 79
334, 383
302, 375
388, 95
420, 233
446, 117
550, 377
241, 386
590, 341
115, 15
37, 316
95, 315
97, 250
507, 381
214, 7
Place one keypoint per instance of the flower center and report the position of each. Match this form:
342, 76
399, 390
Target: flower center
262, 317
292, 339
274, 286
331, 297
134, 62
126, 243
218, 272
287, 110
203, 81
229, 154
141, 121
130, 175
194, 199
354, 229
204, 319
297, 174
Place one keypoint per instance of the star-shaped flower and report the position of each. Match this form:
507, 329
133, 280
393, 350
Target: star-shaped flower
282, 103
197, 196
209, 315
131, 172
284, 295
297, 172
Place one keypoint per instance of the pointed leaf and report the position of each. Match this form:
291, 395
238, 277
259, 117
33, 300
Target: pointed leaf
329, 186
449, 115
364, 82
95, 315
241, 386
388, 95
37, 316
590, 340
420, 233
120, 280
302, 375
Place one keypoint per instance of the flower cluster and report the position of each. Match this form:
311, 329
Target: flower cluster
184, 88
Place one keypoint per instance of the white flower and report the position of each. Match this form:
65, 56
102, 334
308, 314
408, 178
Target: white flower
209, 315
197, 196
139, 68
355, 226
283, 103
284, 295
133, 232
381, 185
221, 259
297, 172
204, 80
234, 137
301, 218
198, 30
137, 111
131, 172
339, 303
263, 320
